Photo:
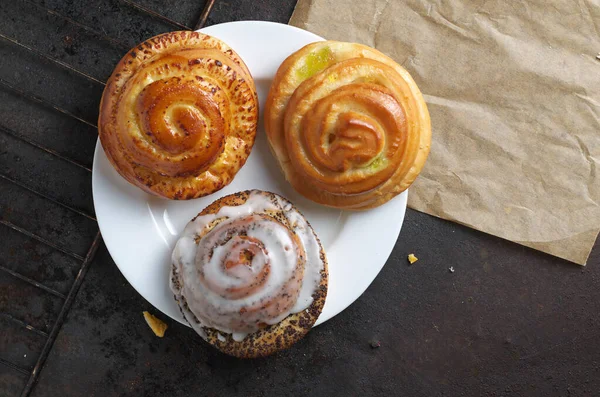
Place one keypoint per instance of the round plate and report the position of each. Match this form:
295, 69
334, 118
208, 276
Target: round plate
140, 230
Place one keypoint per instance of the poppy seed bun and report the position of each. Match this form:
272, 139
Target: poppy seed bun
267, 339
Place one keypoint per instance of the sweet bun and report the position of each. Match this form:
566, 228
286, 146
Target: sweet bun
348, 125
249, 274
178, 116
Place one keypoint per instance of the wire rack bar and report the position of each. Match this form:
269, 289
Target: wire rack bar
156, 15
204, 16
80, 25
62, 315
23, 324
40, 239
13, 366
51, 59
6, 178
22, 138
32, 282
41, 101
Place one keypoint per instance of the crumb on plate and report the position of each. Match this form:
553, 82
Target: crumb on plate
412, 258
158, 326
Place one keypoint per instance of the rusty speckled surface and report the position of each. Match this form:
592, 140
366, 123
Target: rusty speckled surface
509, 321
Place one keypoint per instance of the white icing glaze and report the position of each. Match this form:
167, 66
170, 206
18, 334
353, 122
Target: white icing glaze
277, 277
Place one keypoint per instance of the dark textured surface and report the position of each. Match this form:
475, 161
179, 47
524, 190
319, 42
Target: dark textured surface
11, 382
18, 347
508, 321
27, 303
263, 10
37, 261
45, 218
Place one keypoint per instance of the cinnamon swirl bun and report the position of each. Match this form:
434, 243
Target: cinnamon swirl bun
249, 274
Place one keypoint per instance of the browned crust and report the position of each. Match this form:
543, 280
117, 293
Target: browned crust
282, 89
186, 186
276, 337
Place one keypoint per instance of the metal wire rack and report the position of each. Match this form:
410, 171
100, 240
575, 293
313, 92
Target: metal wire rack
42, 215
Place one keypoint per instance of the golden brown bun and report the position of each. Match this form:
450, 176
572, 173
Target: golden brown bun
272, 338
178, 115
347, 124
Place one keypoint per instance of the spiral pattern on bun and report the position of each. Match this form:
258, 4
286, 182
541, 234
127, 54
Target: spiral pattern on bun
347, 124
249, 267
179, 114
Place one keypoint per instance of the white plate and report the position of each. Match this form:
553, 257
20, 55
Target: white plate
140, 230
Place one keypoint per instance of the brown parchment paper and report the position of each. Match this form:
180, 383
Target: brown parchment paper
513, 89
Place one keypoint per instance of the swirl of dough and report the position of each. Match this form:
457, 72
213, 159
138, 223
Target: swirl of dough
348, 136
347, 124
179, 114
180, 119
249, 273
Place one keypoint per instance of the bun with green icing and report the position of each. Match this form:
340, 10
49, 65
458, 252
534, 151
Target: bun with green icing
348, 125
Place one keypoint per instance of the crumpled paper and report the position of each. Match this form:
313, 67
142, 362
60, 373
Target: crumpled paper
513, 89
